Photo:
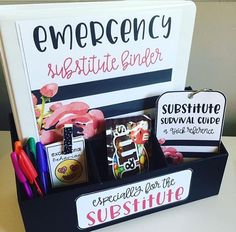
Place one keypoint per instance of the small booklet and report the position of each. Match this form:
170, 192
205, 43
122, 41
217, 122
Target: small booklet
67, 169
190, 122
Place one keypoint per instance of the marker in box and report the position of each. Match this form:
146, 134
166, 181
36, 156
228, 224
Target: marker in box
42, 166
20, 176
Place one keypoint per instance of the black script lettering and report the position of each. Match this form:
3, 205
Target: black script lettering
55, 36
151, 27
179, 120
151, 186
94, 33
81, 33
168, 25
137, 28
198, 130
40, 36
125, 29
208, 120
190, 108
168, 182
111, 39
175, 131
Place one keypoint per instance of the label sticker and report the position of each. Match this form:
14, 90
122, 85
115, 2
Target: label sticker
67, 138
190, 121
67, 169
107, 205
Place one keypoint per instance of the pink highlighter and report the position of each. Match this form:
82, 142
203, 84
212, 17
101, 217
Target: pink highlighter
20, 175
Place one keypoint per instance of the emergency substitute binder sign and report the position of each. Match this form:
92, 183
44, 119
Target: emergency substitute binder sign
104, 206
118, 58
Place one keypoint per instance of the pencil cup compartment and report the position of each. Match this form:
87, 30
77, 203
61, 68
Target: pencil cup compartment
60, 205
157, 159
96, 158
96, 151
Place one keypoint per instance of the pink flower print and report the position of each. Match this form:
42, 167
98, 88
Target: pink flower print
55, 106
171, 153
51, 136
86, 122
37, 112
98, 120
161, 141
78, 108
171, 150
49, 90
85, 126
34, 98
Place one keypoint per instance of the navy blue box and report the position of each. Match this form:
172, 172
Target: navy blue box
163, 187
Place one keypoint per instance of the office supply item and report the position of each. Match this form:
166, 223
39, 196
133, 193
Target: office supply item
67, 138
92, 58
190, 122
28, 170
213, 208
67, 169
42, 166
155, 55
20, 175
32, 146
18, 146
30, 154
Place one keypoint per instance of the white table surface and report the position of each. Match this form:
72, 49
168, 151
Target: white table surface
213, 214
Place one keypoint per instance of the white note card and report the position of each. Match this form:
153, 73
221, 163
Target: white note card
190, 121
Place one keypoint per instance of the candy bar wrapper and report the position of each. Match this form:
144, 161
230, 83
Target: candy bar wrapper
128, 145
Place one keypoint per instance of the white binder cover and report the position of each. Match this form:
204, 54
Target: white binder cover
116, 56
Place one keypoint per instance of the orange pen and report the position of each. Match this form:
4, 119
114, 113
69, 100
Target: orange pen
27, 166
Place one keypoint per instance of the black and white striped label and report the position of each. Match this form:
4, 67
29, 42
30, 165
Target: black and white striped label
67, 138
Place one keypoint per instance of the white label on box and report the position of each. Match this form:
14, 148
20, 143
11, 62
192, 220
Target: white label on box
104, 206
67, 169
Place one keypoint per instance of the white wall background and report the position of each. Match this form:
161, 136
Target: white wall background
212, 62
213, 55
